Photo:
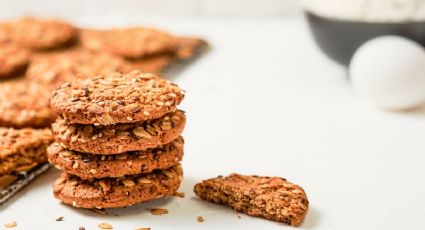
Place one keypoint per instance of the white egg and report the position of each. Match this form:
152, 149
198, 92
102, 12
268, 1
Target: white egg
390, 72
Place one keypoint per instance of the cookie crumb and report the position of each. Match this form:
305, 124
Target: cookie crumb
143, 228
200, 219
179, 194
11, 224
59, 218
100, 211
105, 226
81, 228
238, 215
158, 211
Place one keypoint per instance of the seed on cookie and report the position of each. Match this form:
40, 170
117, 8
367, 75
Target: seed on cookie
122, 193
119, 138
90, 166
42, 34
22, 149
272, 198
18, 108
142, 90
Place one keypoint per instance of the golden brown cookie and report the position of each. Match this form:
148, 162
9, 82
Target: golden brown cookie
116, 98
153, 64
119, 138
90, 166
117, 192
13, 60
130, 42
40, 34
25, 104
67, 66
22, 149
187, 49
273, 198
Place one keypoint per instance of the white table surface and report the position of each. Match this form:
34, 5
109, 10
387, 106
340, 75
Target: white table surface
265, 101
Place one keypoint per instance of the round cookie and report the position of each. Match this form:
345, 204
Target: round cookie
117, 192
42, 34
116, 98
130, 42
119, 138
89, 166
25, 104
187, 49
13, 60
67, 66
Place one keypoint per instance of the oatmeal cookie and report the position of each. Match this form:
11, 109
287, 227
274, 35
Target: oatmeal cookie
119, 138
187, 49
130, 42
90, 166
67, 66
117, 192
40, 34
13, 60
116, 98
273, 198
25, 104
22, 149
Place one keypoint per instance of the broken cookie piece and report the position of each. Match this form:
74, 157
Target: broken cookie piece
22, 149
22, 158
273, 198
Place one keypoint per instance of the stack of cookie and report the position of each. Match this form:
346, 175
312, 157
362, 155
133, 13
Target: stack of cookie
117, 140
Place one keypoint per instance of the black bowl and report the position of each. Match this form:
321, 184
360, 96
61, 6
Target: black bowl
339, 39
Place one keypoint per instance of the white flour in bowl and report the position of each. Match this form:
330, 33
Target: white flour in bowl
378, 11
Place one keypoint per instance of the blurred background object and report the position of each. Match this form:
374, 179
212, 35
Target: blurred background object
340, 27
389, 71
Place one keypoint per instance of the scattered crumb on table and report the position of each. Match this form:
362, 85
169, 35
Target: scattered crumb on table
158, 211
105, 226
179, 194
11, 224
200, 219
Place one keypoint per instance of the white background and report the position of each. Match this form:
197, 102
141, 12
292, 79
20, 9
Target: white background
144, 8
265, 101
